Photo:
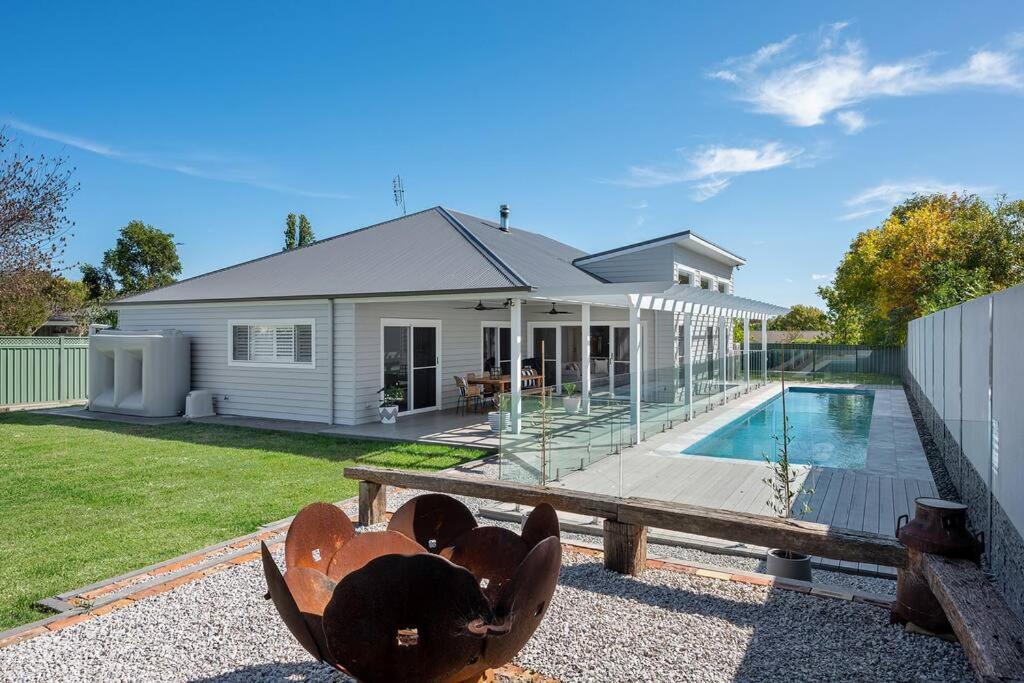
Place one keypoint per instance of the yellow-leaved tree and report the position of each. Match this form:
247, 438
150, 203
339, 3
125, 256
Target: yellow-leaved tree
931, 252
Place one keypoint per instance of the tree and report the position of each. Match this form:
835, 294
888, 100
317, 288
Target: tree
799, 318
297, 234
34, 302
290, 236
305, 231
34, 228
931, 252
143, 258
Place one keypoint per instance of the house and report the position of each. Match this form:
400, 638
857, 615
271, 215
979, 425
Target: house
314, 333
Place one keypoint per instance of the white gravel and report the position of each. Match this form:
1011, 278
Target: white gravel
665, 626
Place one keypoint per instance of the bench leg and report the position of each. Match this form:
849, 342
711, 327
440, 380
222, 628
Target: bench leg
625, 547
373, 500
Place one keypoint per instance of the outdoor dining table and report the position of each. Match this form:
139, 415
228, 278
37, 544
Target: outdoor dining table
503, 384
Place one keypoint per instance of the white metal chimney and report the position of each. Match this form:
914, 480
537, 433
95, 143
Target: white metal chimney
503, 211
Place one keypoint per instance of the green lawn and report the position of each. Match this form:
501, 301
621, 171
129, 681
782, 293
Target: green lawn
81, 500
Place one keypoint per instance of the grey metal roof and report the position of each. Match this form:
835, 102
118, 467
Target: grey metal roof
659, 240
539, 260
431, 251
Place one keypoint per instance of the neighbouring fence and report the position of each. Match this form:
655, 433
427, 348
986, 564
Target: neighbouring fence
43, 369
965, 369
827, 362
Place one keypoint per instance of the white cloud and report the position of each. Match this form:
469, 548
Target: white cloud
805, 87
186, 166
852, 121
884, 196
818, 277
710, 170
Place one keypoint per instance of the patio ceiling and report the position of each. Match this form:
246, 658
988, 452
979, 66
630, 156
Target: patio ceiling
660, 296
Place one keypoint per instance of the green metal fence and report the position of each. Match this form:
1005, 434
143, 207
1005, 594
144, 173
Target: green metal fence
832, 361
43, 369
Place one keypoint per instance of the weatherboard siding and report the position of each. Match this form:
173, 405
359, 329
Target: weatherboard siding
653, 264
287, 393
699, 262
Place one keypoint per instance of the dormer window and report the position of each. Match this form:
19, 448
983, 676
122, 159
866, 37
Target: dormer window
683, 278
705, 283
723, 287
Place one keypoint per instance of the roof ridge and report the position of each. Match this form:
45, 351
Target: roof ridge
276, 253
491, 257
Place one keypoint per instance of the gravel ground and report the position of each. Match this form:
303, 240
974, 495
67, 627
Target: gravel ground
943, 482
665, 626
601, 627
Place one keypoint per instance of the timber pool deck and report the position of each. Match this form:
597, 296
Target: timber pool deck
871, 499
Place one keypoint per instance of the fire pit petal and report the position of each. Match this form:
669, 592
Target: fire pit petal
315, 536
367, 546
310, 589
286, 605
541, 523
433, 520
491, 554
524, 601
406, 617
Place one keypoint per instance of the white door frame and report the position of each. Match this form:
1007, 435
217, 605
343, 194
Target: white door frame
496, 324
410, 323
558, 324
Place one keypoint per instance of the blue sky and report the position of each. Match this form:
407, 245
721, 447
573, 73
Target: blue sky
778, 131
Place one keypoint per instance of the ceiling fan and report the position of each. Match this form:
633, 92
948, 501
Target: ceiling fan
481, 307
555, 311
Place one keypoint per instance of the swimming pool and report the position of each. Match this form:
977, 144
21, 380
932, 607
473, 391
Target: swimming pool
828, 428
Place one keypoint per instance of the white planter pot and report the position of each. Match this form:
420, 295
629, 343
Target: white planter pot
493, 422
571, 404
388, 414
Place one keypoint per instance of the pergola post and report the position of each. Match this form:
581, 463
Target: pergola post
746, 351
764, 346
688, 362
723, 350
516, 333
634, 367
585, 357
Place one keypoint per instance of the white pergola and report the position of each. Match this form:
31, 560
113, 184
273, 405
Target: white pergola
687, 300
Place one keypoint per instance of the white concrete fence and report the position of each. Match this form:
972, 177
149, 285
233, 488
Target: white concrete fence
965, 367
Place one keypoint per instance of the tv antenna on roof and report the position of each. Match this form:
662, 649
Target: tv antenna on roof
399, 191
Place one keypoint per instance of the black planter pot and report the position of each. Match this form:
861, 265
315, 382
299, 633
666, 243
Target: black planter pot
789, 565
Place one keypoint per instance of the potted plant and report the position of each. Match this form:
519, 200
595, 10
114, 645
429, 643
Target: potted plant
782, 481
570, 399
389, 398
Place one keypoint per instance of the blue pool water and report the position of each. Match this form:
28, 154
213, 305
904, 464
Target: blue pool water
828, 428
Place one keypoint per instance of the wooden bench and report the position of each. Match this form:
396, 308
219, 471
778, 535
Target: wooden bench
992, 636
627, 519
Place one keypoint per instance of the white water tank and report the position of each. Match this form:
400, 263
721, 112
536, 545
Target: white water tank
199, 403
143, 373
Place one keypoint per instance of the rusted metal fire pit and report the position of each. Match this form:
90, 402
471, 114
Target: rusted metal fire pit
433, 598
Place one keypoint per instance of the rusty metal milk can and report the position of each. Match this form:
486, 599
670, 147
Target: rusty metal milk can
939, 527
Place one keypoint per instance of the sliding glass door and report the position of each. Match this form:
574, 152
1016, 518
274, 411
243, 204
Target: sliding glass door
410, 360
563, 355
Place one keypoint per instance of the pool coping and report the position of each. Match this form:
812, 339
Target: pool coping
894, 449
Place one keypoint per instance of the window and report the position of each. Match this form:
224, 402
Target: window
272, 342
683, 277
705, 283
723, 287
